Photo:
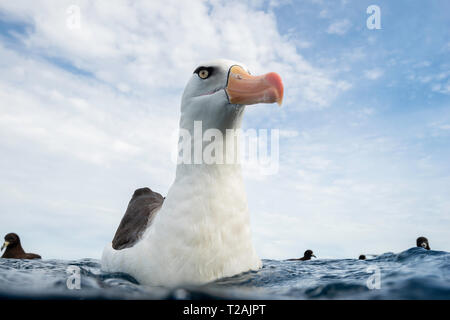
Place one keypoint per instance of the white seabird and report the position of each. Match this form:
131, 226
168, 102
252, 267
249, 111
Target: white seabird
201, 231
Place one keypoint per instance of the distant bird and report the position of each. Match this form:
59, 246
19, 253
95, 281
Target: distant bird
306, 256
362, 257
14, 249
423, 243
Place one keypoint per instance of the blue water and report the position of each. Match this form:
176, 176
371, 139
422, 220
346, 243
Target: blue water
413, 274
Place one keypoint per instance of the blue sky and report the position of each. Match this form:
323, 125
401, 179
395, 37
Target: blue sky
365, 123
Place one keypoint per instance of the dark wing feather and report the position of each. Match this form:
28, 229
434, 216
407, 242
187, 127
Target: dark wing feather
140, 212
32, 256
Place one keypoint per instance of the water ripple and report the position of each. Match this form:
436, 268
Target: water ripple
413, 274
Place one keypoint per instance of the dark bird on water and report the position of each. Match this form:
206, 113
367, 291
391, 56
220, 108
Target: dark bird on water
422, 242
306, 256
362, 257
14, 249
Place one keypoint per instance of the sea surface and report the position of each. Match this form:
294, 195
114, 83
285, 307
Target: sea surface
413, 274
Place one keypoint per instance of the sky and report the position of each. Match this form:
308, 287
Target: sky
86, 107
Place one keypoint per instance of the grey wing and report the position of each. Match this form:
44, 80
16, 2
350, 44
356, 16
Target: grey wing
141, 210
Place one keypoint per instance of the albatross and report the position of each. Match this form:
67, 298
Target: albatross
200, 231
14, 248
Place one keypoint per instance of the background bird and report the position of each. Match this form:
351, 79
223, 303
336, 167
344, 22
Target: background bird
306, 256
423, 243
14, 248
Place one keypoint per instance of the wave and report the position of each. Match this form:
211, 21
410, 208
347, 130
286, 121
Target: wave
412, 274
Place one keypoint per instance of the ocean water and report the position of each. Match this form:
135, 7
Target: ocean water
413, 274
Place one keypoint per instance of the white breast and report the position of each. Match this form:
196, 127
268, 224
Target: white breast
201, 233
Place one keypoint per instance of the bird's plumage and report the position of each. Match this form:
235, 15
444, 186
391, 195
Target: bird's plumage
141, 210
306, 256
201, 231
14, 248
422, 242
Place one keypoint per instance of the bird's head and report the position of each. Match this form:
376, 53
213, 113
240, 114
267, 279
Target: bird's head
218, 91
309, 254
11, 240
423, 242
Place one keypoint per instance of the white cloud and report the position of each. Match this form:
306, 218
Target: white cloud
373, 74
340, 27
324, 13
439, 129
154, 46
438, 81
441, 87
422, 64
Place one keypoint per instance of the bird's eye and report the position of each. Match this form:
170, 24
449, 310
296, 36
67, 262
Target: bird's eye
203, 73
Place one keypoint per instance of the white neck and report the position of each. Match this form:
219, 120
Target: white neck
202, 232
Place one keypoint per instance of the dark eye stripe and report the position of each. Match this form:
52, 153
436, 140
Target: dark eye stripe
209, 69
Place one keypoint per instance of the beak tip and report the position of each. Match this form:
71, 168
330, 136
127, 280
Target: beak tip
275, 80
279, 102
